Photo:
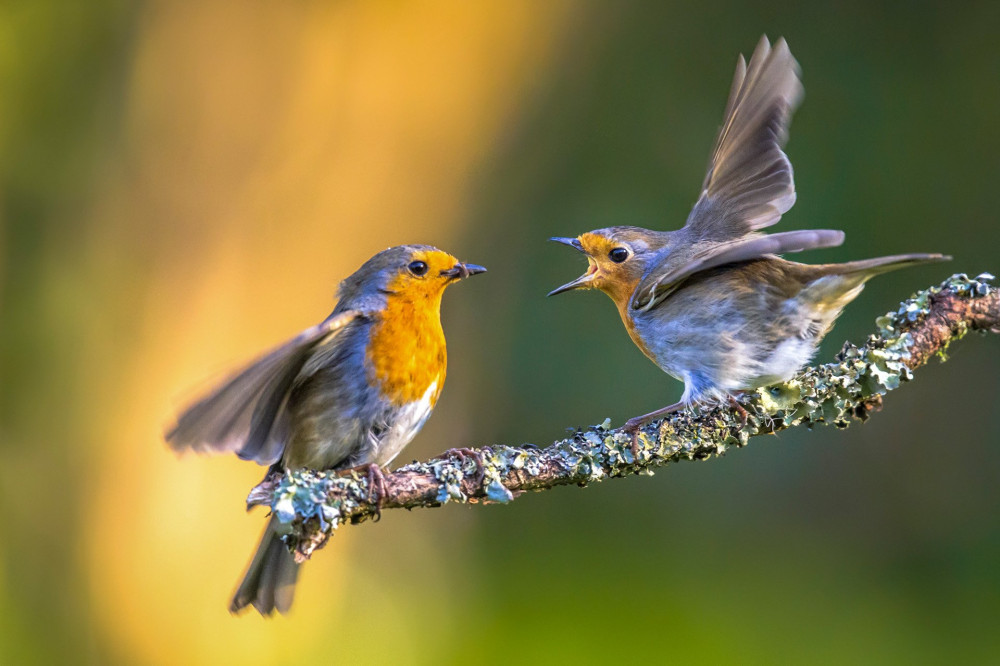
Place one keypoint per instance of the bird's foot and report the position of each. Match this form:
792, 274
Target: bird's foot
632, 427
463, 453
377, 489
633, 424
263, 492
744, 414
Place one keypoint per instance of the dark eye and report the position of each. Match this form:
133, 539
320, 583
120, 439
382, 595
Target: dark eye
418, 268
618, 255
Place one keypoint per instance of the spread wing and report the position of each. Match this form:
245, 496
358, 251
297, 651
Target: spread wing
666, 276
239, 415
749, 183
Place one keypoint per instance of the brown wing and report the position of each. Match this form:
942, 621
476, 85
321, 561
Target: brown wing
238, 415
749, 184
666, 276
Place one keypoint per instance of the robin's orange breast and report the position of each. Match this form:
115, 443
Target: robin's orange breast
620, 288
633, 333
407, 348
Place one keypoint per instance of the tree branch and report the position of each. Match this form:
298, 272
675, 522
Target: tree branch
313, 504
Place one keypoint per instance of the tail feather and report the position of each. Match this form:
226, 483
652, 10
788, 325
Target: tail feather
830, 287
269, 583
868, 268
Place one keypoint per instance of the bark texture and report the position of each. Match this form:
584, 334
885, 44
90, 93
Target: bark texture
313, 504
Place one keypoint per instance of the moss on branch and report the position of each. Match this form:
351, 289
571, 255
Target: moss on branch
314, 504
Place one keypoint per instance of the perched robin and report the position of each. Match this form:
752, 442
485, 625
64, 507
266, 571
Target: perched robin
349, 392
711, 304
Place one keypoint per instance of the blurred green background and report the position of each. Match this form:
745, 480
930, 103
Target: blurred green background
183, 184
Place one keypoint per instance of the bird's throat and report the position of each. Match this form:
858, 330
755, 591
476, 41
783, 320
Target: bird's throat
633, 333
406, 352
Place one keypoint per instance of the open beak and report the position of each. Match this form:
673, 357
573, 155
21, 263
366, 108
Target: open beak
462, 271
582, 282
572, 242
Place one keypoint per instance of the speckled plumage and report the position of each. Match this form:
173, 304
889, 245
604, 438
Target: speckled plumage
351, 391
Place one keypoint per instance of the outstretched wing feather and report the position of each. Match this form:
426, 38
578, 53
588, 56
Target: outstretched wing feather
749, 184
238, 415
665, 277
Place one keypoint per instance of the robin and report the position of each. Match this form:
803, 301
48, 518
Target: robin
349, 392
711, 304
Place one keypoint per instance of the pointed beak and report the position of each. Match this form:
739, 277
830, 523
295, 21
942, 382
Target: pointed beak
462, 271
572, 242
582, 282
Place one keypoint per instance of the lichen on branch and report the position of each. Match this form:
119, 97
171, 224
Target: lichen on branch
313, 504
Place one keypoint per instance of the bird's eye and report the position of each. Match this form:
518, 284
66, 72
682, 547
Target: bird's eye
618, 255
418, 268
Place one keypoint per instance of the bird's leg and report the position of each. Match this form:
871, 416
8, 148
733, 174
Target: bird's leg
744, 415
377, 490
263, 491
462, 453
633, 424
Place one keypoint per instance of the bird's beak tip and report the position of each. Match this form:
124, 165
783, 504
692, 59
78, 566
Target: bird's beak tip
572, 242
461, 271
582, 282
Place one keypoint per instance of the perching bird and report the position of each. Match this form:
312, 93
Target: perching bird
351, 391
711, 304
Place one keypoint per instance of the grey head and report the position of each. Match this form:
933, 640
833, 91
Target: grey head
618, 257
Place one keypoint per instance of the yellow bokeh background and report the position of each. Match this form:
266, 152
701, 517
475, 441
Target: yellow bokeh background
261, 153
269, 152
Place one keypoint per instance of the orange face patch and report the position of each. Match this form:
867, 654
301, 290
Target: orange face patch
407, 347
596, 245
616, 280
431, 284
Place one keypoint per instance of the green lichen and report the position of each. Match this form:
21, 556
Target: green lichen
832, 392
313, 504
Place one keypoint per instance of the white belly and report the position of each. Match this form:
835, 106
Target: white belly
785, 361
409, 420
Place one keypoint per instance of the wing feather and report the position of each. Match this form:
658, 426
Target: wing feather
666, 277
750, 184
239, 414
